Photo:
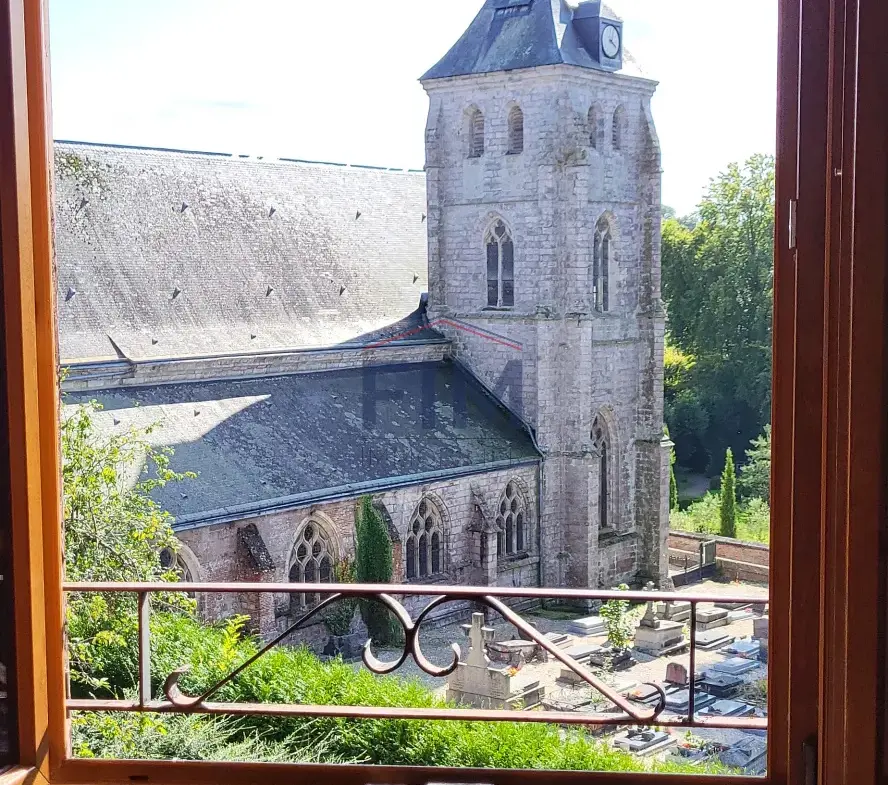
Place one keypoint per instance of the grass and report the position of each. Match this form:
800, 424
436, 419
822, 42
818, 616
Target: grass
294, 675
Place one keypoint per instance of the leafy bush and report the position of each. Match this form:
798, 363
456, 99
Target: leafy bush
181, 737
704, 517
338, 617
291, 675
374, 563
617, 621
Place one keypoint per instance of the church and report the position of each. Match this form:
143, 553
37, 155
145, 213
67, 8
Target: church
477, 346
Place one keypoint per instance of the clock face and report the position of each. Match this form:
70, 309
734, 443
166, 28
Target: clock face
610, 41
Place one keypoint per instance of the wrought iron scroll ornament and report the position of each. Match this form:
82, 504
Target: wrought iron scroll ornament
412, 648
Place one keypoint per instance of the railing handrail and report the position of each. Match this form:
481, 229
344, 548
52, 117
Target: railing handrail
491, 597
412, 589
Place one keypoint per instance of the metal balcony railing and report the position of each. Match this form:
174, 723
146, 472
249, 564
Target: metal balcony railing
625, 711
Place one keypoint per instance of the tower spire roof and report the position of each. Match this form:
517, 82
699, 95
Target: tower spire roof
510, 34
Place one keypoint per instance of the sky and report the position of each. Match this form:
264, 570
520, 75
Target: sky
338, 80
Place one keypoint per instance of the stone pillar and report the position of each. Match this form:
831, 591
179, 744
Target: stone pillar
489, 563
652, 511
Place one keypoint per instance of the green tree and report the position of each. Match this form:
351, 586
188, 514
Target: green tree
728, 498
718, 285
114, 531
755, 476
374, 564
673, 484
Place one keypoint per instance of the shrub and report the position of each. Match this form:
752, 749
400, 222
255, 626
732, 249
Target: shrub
617, 621
704, 517
291, 675
728, 500
374, 564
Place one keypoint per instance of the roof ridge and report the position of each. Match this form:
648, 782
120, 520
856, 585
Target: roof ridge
232, 156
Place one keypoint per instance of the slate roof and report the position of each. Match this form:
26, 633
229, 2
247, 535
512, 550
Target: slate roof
167, 254
536, 33
278, 443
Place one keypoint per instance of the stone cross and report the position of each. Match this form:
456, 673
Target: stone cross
650, 617
479, 635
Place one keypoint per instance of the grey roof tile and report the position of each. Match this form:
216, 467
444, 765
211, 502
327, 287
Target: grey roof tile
531, 33
269, 249
289, 441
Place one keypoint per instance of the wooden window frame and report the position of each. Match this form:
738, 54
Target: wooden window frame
829, 425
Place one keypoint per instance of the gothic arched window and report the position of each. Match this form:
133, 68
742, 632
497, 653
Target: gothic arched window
601, 266
313, 561
500, 266
601, 442
619, 128
511, 521
476, 133
172, 561
424, 543
596, 128
516, 131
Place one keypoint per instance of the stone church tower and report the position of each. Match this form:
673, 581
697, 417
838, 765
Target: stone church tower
543, 170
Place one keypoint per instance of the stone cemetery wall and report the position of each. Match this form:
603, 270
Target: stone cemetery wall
744, 561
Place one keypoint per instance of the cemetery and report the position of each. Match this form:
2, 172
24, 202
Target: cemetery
498, 669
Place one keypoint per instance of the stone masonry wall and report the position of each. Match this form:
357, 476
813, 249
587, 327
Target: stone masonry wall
216, 553
101, 376
553, 358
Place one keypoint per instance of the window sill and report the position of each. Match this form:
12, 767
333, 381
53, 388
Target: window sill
517, 561
439, 579
499, 308
15, 775
611, 536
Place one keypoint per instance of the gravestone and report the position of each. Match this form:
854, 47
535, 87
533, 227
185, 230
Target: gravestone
728, 708
658, 637
733, 606
721, 685
741, 615
515, 653
712, 639
475, 683
584, 654
677, 674
735, 666
710, 618
760, 628
644, 693
591, 625
749, 754
644, 741
677, 611
680, 702
560, 639
743, 648
760, 633
708, 551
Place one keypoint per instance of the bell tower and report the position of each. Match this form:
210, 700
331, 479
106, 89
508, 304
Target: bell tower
543, 169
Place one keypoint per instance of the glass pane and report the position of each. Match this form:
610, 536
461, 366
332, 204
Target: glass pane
423, 556
492, 294
519, 531
508, 261
436, 553
411, 558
